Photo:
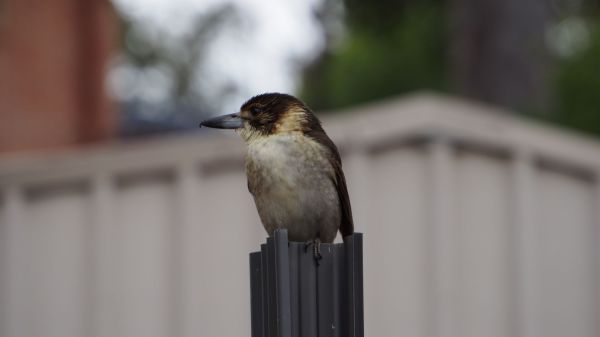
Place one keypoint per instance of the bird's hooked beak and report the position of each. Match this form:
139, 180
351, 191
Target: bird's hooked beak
231, 121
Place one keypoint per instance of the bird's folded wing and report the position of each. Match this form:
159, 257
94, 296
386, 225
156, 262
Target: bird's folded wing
347, 224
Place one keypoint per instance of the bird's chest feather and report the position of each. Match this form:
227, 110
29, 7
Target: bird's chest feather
291, 180
285, 165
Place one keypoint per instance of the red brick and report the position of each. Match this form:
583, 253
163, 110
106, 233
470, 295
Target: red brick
53, 60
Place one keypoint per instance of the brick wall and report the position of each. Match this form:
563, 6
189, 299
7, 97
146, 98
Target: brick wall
53, 59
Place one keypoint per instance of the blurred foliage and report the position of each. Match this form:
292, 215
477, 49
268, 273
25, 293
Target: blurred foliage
577, 84
180, 57
164, 74
388, 49
394, 47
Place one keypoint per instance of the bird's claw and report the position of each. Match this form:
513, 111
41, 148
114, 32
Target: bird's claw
316, 246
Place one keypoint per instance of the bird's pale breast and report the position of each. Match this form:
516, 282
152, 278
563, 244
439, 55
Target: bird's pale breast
293, 186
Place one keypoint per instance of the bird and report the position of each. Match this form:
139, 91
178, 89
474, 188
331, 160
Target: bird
293, 169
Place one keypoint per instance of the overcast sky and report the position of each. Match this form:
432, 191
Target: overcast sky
261, 57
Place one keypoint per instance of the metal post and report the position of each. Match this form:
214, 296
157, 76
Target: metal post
293, 296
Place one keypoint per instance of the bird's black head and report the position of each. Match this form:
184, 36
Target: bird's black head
268, 114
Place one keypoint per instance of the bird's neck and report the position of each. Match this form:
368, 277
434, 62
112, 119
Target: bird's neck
255, 137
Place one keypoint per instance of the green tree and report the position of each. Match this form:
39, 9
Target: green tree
496, 51
577, 84
389, 48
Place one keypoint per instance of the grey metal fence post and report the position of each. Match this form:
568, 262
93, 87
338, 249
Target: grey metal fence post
293, 296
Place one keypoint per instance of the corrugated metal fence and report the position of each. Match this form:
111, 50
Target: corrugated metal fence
475, 223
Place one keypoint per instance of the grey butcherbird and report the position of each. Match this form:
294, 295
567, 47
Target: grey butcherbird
294, 170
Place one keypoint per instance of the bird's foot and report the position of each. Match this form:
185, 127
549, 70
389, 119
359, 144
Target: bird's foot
316, 247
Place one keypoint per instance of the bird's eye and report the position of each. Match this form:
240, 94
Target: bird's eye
255, 110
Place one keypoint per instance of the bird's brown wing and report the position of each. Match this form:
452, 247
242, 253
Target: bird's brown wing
347, 224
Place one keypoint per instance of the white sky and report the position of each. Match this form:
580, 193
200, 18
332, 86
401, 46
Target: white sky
259, 58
